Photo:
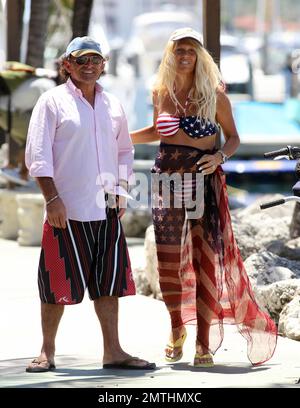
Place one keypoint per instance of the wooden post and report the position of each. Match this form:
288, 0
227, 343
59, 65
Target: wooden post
211, 27
211, 36
15, 10
14, 29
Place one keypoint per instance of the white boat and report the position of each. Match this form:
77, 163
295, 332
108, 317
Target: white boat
149, 35
235, 66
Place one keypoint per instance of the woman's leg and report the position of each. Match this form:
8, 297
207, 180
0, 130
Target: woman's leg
168, 228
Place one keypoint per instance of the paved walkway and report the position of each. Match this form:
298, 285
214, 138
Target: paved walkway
144, 329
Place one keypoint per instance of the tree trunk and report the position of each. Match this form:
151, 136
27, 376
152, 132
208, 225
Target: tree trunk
39, 15
15, 10
81, 17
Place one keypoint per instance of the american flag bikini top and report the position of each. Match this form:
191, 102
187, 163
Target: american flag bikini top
193, 126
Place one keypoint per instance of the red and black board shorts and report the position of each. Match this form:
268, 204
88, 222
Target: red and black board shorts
90, 254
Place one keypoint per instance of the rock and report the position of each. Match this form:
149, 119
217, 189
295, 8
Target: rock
151, 263
259, 231
135, 222
273, 298
141, 282
291, 249
265, 267
255, 229
285, 210
289, 322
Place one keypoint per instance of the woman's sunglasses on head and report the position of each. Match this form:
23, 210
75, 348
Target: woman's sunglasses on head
84, 59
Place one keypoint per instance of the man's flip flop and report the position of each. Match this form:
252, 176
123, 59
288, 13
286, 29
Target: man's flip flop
37, 366
128, 364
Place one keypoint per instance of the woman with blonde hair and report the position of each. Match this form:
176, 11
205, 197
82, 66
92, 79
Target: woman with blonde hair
201, 272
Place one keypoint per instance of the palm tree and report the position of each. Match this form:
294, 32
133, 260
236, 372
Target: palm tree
14, 14
39, 15
81, 17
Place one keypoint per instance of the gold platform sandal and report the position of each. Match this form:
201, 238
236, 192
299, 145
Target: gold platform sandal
177, 345
203, 360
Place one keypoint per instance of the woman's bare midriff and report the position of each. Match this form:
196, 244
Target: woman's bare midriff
180, 138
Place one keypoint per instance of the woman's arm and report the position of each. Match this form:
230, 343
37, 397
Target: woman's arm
226, 121
147, 134
209, 162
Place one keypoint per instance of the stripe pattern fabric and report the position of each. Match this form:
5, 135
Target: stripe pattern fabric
91, 255
202, 276
167, 125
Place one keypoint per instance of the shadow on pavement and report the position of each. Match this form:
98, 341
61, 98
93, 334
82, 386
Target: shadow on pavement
218, 368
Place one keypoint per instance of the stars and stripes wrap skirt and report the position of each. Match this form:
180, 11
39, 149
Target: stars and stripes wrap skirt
201, 272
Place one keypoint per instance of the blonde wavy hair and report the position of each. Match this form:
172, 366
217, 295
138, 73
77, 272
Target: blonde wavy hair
207, 80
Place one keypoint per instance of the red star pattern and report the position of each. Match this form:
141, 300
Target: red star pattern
162, 154
174, 156
193, 154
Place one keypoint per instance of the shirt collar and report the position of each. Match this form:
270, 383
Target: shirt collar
74, 89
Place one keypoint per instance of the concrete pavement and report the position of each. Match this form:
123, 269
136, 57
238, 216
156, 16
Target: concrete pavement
144, 329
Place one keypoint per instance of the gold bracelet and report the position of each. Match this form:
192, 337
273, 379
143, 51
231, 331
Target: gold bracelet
52, 199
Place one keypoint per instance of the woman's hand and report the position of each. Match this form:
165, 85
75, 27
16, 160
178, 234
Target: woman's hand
209, 162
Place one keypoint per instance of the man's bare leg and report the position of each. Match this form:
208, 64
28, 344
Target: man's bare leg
51, 315
107, 308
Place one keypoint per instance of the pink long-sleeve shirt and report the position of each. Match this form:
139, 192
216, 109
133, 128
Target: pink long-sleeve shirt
85, 150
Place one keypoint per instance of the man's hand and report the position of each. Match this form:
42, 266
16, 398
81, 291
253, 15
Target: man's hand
56, 214
122, 205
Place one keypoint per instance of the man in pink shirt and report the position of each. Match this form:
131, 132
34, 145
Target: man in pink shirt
79, 150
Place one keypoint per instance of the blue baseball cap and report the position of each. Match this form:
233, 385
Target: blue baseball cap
83, 45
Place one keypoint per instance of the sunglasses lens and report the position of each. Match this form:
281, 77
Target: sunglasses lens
81, 60
95, 59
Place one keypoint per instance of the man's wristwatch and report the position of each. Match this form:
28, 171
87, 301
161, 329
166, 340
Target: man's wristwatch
224, 156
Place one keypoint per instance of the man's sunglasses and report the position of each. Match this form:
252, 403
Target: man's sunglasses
84, 59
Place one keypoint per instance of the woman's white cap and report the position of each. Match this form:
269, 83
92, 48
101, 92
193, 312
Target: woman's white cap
186, 32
